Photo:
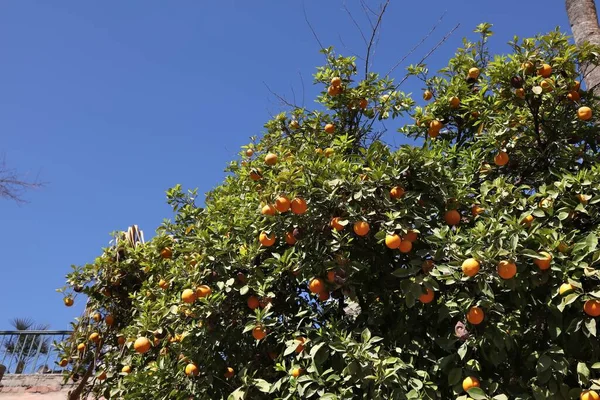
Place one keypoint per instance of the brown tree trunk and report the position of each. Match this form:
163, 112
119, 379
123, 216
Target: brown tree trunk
584, 25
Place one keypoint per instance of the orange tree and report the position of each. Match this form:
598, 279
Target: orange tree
329, 265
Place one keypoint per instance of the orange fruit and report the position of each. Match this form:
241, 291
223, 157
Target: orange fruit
324, 296
589, 395
126, 369
470, 382
328, 152
299, 206
268, 209
528, 67
163, 284
97, 317
565, 288
81, 347
63, 363
543, 263
229, 373
592, 307
454, 102
253, 302
473, 73
527, 220
191, 369
475, 315
470, 267
166, 253
361, 228
396, 192
300, 346
476, 210
68, 301
141, 345
427, 297
405, 246
102, 376
259, 332
203, 291
393, 241
545, 70
294, 125
506, 269
427, 266
501, 158
94, 337
427, 95
296, 372
435, 127
582, 198
255, 174
282, 204
270, 159
316, 285
411, 236
121, 340
249, 153
573, 95
290, 239
547, 85
336, 81
363, 103
334, 90
576, 86
331, 276
266, 240
335, 224
330, 128
584, 113
452, 217
188, 296
520, 92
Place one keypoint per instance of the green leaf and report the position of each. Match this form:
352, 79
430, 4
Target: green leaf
590, 324
365, 335
262, 385
477, 393
583, 374
543, 363
592, 241
454, 376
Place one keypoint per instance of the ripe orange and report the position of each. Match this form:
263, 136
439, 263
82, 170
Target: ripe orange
324, 296
393, 241
63, 363
452, 217
527, 220
361, 228
543, 263
476, 210
405, 246
589, 395
592, 307
520, 92
506, 269
141, 345
454, 102
334, 90
411, 236
268, 209
166, 253
126, 369
470, 267
547, 85
527, 67
94, 337
336, 81
501, 158
266, 240
294, 125
396, 192
97, 317
203, 291
331, 276
68, 301
163, 284
270, 159
427, 297
565, 288
296, 372
290, 239
191, 369
573, 96
255, 174
470, 382
316, 285
435, 127
188, 296
249, 153
473, 73
427, 266
102, 376
335, 224
545, 70
576, 86
584, 113
300, 346
363, 103
563, 247
475, 315
253, 302
81, 347
229, 373
259, 332
427, 95
282, 204
121, 340
330, 128
299, 206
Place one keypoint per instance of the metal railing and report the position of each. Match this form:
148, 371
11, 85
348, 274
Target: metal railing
31, 352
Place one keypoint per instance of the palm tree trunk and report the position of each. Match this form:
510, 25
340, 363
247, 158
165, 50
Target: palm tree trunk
584, 25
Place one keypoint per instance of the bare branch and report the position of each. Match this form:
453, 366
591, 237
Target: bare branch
348, 49
367, 9
12, 185
311, 27
281, 98
356, 24
373, 34
418, 44
302, 81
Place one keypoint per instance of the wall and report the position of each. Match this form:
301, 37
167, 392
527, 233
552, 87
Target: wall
24, 387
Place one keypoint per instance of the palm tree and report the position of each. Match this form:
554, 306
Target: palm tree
584, 25
25, 346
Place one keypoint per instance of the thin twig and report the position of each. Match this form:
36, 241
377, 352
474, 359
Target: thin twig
356, 24
349, 50
282, 99
12, 185
311, 27
302, 81
418, 44
375, 29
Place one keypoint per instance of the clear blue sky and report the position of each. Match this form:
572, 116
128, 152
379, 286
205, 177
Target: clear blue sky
114, 102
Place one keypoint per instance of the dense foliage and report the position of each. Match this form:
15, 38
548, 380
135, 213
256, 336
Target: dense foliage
331, 266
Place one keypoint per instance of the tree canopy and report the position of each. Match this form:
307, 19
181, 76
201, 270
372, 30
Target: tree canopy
329, 265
